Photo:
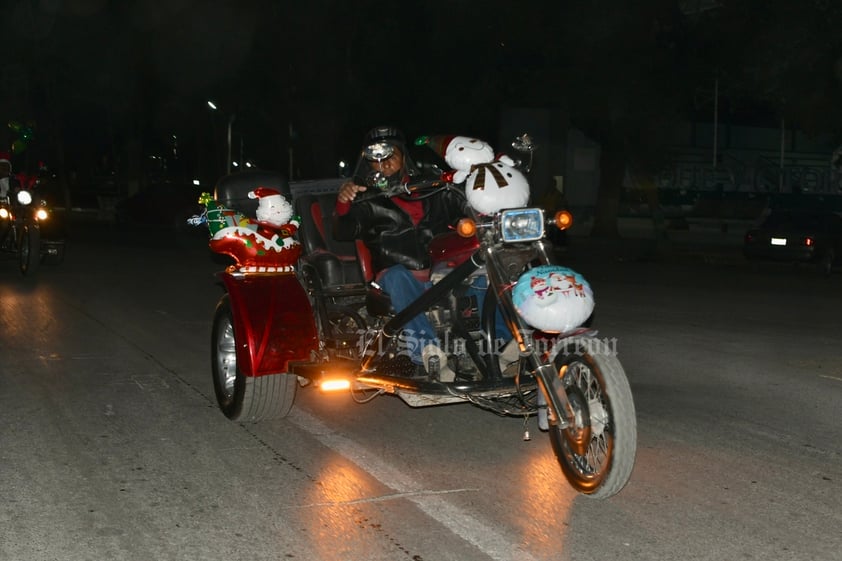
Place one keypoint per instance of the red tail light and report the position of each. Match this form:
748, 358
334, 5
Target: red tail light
809, 242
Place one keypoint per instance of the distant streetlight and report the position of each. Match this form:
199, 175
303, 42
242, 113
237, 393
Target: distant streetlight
231, 118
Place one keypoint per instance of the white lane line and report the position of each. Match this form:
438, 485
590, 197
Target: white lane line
389, 497
837, 378
433, 503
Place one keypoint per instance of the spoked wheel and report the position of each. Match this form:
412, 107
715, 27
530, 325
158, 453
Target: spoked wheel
29, 249
240, 397
597, 451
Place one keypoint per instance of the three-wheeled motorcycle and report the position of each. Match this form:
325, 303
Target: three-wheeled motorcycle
303, 310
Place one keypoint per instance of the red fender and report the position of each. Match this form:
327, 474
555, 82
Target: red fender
273, 321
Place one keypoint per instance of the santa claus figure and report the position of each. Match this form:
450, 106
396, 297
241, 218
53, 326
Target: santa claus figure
274, 214
262, 245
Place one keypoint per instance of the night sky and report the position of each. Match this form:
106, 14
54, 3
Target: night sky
105, 83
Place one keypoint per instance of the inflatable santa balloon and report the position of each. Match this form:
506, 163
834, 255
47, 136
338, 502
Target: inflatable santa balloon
262, 245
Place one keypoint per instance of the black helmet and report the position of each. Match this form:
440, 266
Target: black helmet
379, 143
386, 134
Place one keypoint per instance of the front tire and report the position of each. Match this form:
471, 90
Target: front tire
597, 451
240, 397
29, 250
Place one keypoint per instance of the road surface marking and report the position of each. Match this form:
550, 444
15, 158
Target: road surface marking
434, 504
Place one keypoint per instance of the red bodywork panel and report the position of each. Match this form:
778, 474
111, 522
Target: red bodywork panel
452, 249
273, 321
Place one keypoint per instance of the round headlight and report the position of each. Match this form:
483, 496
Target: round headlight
24, 197
41, 214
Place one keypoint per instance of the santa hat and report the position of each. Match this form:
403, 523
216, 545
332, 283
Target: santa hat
438, 143
5, 157
264, 193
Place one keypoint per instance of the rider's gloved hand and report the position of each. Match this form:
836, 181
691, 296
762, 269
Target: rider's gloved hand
347, 194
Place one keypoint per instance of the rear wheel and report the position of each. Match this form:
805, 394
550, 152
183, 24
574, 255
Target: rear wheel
29, 249
597, 451
240, 397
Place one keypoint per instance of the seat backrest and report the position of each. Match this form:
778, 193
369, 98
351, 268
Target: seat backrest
316, 230
232, 190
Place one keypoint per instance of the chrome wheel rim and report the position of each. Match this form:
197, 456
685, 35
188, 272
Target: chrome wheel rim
597, 458
226, 359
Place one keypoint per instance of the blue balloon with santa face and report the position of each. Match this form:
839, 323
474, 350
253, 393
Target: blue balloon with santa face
553, 298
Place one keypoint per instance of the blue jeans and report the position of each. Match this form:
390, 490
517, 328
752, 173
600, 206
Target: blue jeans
477, 288
403, 288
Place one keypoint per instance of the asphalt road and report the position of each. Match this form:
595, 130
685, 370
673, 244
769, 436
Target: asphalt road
111, 446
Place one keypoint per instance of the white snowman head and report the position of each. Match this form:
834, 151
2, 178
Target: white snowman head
272, 207
462, 152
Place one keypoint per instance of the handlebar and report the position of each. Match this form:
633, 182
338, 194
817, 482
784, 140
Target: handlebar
419, 189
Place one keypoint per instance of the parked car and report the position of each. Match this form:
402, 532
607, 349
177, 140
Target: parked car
797, 236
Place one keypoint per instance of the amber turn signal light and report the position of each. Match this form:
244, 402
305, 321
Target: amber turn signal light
563, 220
466, 228
336, 384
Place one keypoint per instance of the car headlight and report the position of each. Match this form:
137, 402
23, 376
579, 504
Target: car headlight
24, 197
41, 214
522, 225
4, 213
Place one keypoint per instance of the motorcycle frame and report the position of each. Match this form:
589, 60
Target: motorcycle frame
549, 382
280, 334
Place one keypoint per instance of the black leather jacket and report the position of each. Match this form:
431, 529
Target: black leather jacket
388, 230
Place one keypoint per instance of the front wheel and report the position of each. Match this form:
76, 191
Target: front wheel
29, 249
596, 452
240, 397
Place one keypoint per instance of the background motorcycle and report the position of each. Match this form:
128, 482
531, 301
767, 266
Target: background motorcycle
330, 330
23, 216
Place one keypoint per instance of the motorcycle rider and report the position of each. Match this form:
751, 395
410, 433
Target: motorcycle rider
397, 230
5, 174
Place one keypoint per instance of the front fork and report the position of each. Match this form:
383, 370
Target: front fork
550, 383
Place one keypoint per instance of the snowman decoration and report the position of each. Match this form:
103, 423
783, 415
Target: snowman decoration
552, 298
491, 183
544, 292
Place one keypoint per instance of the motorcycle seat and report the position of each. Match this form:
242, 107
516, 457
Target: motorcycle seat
335, 262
